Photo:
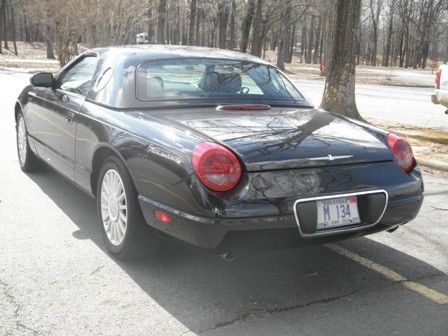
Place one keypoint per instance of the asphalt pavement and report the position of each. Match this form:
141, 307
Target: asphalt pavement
56, 277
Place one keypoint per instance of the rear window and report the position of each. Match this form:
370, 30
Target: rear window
202, 79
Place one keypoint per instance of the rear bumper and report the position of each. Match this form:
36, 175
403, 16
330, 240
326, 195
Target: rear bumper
266, 232
434, 99
440, 97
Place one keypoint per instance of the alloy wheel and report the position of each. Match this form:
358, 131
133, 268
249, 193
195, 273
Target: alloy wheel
113, 207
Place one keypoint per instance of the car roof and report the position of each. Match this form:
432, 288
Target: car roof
175, 51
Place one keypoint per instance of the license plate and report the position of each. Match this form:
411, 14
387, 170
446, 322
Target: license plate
336, 212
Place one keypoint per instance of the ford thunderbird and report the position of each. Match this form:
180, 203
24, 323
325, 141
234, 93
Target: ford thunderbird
212, 148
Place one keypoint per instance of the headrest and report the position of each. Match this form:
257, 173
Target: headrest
150, 87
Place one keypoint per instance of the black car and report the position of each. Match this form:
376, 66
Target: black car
212, 147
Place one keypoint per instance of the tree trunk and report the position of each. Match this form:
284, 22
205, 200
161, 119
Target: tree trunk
257, 43
2, 3
386, 55
223, 10
176, 39
197, 38
232, 33
375, 22
193, 15
5, 26
316, 53
329, 31
150, 23
161, 13
292, 41
284, 36
12, 25
27, 29
339, 93
247, 22
309, 54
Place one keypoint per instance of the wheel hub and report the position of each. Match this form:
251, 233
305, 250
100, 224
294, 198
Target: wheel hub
113, 208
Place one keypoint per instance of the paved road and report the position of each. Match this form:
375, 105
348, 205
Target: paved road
57, 279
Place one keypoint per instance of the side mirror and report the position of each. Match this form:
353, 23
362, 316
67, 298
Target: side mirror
42, 79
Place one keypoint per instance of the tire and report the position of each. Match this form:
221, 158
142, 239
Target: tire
123, 227
28, 161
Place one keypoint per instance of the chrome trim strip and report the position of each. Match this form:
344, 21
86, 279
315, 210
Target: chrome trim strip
340, 229
330, 158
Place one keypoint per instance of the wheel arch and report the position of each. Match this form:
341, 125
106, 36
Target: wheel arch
102, 152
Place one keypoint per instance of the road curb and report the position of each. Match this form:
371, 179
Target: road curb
434, 164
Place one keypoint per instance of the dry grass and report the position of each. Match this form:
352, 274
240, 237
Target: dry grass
36, 50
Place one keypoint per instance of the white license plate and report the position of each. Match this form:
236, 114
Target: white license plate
336, 212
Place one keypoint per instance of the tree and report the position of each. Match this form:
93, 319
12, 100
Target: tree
284, 36
339, 93
247, 22
161, 22
232, 27
375, 16
3, 6
257, 41
387, 51
193, 18
223, 10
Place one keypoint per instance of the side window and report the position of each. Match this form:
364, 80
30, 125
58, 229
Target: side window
77, 78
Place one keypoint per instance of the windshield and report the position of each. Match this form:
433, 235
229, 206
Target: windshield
211, 79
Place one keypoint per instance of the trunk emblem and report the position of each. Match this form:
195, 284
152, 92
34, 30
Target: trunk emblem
330, 157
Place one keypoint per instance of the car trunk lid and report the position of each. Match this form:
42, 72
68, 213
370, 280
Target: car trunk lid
282, 138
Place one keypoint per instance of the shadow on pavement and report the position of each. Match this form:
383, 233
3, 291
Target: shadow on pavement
204, 292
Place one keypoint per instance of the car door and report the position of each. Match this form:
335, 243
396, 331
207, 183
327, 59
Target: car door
55, 113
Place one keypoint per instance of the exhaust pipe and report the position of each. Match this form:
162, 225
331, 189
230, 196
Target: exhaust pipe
393, 229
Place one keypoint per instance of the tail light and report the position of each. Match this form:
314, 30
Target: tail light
437, 78
402, 152
216, 166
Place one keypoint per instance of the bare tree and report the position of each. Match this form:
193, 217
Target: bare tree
193, 19
375, 16
339, 93
387, 51
257, 41
232, 26
161, 22
246, 25
223, 10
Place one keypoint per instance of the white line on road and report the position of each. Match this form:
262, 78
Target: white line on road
391, 275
